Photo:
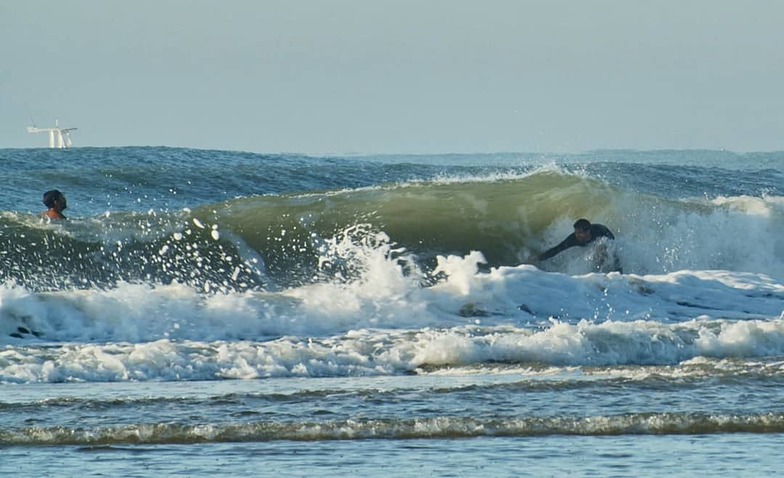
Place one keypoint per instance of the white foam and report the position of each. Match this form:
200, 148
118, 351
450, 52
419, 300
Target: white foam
385, 322
727, 233
373, 352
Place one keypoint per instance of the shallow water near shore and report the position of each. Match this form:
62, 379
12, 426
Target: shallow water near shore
373, 439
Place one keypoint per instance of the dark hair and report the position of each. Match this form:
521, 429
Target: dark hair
582, 224
51, 196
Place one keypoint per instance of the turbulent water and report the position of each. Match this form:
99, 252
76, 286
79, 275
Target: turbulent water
205, 309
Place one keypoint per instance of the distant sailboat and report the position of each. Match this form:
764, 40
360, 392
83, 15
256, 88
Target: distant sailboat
58, 137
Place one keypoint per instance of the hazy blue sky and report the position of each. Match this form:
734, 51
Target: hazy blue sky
401, 76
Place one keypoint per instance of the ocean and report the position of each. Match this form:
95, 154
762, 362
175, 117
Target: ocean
216, 313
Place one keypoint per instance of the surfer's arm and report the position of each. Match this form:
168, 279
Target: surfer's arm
600, 230
565, 244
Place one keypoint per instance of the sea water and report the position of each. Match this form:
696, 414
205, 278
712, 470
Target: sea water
208, 313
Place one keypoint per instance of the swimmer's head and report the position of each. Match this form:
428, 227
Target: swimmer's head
51, 198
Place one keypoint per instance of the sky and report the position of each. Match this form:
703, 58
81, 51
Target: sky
403, 76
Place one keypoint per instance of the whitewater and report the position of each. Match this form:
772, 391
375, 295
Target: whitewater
216, 312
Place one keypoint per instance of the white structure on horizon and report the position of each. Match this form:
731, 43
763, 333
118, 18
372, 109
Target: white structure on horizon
58, 137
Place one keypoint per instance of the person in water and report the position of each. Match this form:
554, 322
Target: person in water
55, 201
584, 233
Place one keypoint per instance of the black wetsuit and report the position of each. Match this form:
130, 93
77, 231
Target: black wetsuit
597, 230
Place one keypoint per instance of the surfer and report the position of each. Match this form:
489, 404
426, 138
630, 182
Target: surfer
584, 234
55, 201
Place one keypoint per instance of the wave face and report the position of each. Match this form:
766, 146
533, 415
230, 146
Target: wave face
172, 214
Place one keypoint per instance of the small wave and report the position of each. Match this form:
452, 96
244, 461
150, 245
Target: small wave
397, 429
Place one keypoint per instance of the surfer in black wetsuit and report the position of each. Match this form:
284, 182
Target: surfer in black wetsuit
584, 234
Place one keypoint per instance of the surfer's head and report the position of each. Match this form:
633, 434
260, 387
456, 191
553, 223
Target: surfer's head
582, 231
55, 199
